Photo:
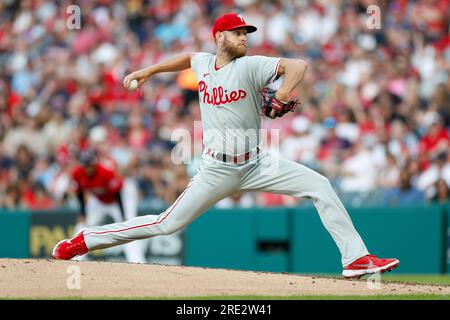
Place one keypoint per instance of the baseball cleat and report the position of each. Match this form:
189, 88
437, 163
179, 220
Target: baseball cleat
70, 248
367, 265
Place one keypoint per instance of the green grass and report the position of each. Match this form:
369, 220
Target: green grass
436, 279
422, 279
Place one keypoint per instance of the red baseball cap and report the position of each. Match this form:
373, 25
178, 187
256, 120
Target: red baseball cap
231, 21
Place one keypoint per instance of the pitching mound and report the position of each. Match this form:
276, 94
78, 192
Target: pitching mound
51, 279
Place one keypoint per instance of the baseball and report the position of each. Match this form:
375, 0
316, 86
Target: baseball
133, 85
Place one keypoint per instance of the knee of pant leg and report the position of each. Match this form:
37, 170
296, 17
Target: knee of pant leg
168, 227
323, 183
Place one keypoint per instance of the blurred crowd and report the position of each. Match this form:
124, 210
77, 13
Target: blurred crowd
375, 103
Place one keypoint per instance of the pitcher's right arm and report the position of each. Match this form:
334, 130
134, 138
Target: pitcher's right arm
177, 63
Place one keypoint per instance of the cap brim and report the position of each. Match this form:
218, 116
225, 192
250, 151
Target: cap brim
249, 28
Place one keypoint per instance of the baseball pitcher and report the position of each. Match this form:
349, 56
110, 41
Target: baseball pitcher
233, 93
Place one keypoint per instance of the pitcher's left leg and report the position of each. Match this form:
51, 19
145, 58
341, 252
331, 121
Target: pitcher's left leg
291, 178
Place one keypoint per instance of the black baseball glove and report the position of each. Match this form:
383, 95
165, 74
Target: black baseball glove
272, 107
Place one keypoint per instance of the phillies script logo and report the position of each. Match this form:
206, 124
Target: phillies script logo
219, 96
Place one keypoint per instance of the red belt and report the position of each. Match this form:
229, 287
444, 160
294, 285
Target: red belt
230, 158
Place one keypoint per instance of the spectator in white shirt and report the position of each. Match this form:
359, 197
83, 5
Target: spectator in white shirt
301, 146
358, 171
440, 169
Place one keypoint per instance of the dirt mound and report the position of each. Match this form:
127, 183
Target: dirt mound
59, 279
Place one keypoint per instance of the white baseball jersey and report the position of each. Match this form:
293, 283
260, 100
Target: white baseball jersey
230, 100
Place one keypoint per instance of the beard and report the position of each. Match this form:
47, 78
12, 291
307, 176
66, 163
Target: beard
235, 51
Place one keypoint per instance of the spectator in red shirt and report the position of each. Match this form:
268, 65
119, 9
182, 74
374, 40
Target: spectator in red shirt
266, 199
37, 198
436, 139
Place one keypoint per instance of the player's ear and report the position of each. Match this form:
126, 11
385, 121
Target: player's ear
219, 37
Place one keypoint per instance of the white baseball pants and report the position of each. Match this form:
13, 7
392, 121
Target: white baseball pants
216, 180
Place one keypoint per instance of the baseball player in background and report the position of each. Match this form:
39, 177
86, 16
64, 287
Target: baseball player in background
101, 192
231, 86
